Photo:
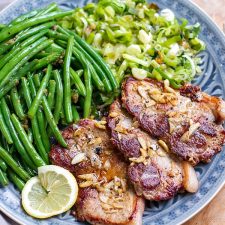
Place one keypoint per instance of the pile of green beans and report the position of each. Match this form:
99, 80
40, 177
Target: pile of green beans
48, 77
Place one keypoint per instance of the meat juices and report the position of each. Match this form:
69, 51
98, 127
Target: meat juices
187, 120
105, 195
155, 174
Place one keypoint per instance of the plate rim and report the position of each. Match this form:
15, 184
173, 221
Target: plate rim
223, 183
220, 186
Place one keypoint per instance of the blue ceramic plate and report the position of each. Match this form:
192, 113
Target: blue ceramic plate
211, 176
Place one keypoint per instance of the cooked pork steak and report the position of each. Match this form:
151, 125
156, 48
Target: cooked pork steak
186, 119
105, 196
155, 174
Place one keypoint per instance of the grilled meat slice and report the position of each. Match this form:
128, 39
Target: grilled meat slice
154, 173
186, 119
216, 104
105, 196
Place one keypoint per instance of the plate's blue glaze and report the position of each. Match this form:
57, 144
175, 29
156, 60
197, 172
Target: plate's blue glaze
212, 176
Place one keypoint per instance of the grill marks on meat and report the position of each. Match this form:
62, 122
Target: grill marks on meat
186, 119
105, 196
154, 174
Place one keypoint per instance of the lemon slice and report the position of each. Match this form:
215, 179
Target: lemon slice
52, 192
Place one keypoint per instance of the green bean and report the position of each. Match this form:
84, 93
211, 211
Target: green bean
76, 116
26, 93
41, 122
62, 115
52, 123
4, 129
5, 46
66, 81
8, 101
36, 79
30, 135
16, 141
85, 62
10, 31
27, 168
99, 60
38, 140
51, 94
63, 30
59, 96
61, 43
16, 103
79, 54
80, 72
3, 179
14, 64
96, 79
51, 7
54, 48
46, 60
31, 86
30, 32
102, 83
42, 128
3, 166
36, 13
57, 35
11, 149
24, 17
37, 100
78, 51
13, 164
50, 118
99, 70
15, 80
46, 53
34, 122
87, 99
29, 147
41, 55
16, 180
22, 101
90, 50
17, 49
78, 82
5, 144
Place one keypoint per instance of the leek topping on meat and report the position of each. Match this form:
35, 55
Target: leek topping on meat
133, 35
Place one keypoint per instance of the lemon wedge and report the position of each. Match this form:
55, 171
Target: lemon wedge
52, 192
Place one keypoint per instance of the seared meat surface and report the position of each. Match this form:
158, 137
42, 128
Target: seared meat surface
155, 174
105, 195
187, 120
